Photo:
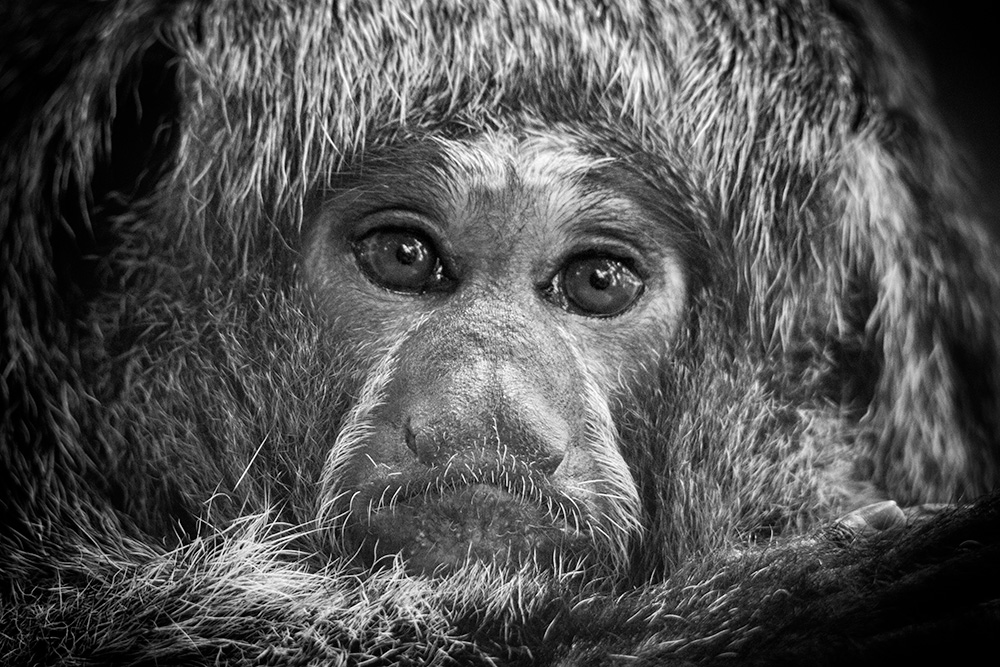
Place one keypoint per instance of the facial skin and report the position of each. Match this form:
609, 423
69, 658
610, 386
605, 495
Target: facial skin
501, 293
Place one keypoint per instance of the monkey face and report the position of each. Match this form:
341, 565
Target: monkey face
511, 289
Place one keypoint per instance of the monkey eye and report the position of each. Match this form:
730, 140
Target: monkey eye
599, 286
399, 259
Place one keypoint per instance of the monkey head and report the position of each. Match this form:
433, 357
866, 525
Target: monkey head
500, 290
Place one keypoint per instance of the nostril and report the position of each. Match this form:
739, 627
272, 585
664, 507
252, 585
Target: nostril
548, 462
547, 440
423, 440
410, 438
534, 436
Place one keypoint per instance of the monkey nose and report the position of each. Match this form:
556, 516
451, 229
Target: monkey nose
540, 444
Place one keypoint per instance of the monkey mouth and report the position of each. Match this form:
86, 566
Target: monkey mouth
439, 528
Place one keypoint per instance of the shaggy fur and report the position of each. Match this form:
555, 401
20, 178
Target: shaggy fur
170, 398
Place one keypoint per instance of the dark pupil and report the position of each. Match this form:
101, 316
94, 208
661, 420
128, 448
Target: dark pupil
601, 279
407, 253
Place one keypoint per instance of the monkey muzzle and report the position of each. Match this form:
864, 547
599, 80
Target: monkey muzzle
442, 526
483, 442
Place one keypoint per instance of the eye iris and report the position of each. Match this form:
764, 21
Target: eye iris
600, 286
397, 259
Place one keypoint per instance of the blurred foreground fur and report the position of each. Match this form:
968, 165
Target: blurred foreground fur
168, 400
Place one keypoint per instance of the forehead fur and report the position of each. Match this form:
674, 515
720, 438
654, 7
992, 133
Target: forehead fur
666, 79
496, 162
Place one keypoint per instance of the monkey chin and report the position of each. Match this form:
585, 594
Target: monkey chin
438, 534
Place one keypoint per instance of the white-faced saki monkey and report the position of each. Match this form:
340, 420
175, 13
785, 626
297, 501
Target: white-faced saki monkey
531, 332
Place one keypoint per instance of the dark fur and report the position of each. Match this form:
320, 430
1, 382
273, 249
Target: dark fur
168, 394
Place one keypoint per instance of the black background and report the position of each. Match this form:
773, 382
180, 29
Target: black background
960, 40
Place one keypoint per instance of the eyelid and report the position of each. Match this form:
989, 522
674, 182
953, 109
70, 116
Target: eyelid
628, 255
624, 229
396, 218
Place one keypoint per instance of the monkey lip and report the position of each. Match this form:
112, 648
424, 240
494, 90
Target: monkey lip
445, 526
